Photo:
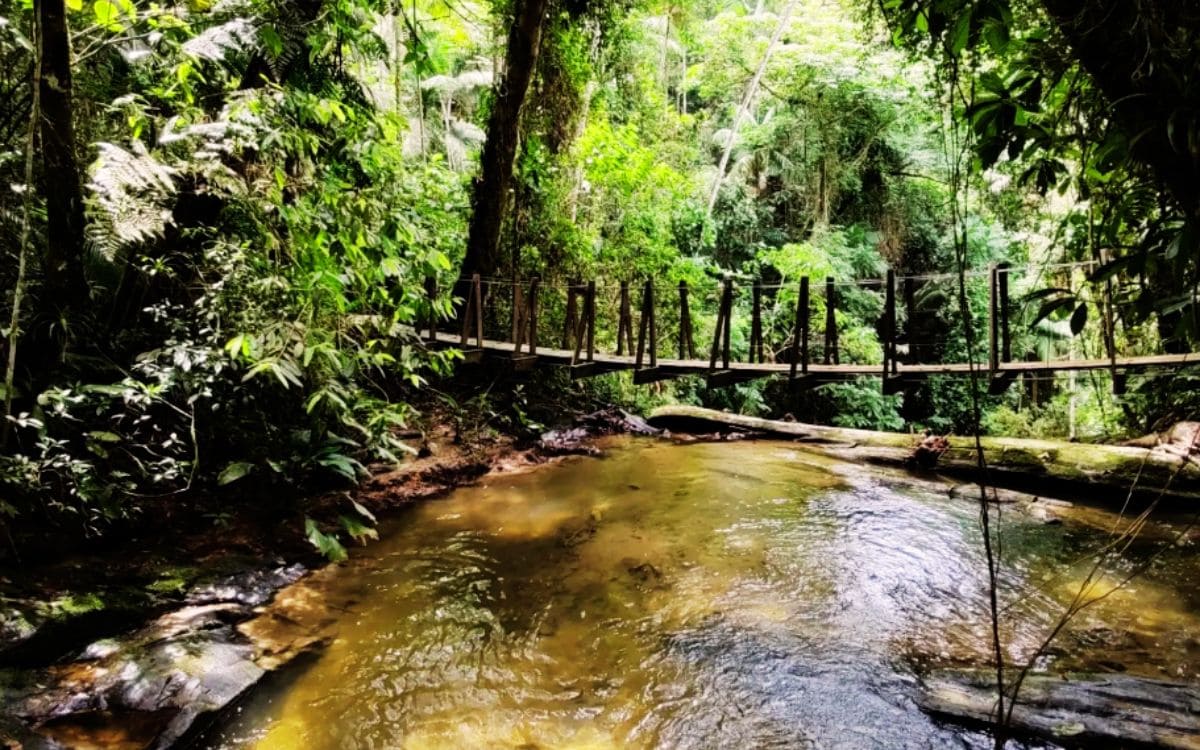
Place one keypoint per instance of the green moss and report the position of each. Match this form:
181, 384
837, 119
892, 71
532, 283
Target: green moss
76, 604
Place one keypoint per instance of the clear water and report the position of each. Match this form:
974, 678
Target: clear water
744, 595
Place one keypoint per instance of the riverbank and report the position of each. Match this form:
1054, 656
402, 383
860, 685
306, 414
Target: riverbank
139, 647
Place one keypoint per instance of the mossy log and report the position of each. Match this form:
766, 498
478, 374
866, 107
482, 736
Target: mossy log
1079, 710
1046, 468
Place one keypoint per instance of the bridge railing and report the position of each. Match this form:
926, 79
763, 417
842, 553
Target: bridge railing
732, 327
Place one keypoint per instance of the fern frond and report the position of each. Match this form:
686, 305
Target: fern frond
235, 35
127, 198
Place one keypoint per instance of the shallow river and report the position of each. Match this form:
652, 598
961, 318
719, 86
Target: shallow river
743, 595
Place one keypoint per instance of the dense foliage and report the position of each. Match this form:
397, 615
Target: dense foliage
266, 186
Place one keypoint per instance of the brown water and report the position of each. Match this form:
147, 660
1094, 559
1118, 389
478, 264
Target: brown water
741, 595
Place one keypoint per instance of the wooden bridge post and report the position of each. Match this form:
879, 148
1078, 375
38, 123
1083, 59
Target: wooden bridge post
1110, 329
831, 334
910, 312
720, 345
518, 312
687, 345
624, 322
993, 321
473, 312
431, 291
999, 346
756, 333
800, 332
533, 304
571, 322
1005, 331
590, 312
889, 325
647, 326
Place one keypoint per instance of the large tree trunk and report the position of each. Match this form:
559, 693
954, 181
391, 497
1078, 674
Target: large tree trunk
1142, 55
1102, 474
65, 284
490, 198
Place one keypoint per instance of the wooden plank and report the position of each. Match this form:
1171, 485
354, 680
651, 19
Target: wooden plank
646, 375
523, 362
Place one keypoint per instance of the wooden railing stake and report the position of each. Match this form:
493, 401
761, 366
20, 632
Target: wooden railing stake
586, 328
756, 333
1005, 334
687, 345
624, 322
533, 300
889, 326
831, 333
473, 312
720, 344
571, 321
799, 356
910, 310
993, 321
647, 327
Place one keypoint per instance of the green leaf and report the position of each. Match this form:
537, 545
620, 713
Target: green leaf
962, 33
1079, 318
108, 15
358, 531
1051, 307
363, 510
104, 437
234, 472
75, 5
1048, 292
327, 544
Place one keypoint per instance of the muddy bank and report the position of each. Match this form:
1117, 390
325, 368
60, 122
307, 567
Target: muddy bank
1045, 468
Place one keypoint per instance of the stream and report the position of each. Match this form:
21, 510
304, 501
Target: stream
700, 596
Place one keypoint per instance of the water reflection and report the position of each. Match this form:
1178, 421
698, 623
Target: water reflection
733, 595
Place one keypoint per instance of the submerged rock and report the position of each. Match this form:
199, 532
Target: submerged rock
181, 666
1084, 709
252, 587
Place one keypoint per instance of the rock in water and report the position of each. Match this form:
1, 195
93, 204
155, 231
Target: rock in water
1098, 710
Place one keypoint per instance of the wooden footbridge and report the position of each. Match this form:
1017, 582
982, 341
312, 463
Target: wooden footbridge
532, 312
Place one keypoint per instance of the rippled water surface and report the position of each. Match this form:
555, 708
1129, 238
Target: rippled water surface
743, 595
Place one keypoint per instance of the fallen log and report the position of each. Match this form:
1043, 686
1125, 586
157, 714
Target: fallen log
1044, 468
1079, 710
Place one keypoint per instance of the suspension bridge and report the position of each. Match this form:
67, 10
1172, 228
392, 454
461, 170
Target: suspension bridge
554, 324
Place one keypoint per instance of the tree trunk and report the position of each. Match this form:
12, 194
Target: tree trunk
1101, 474
65, 284
490, 197
1141, 56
